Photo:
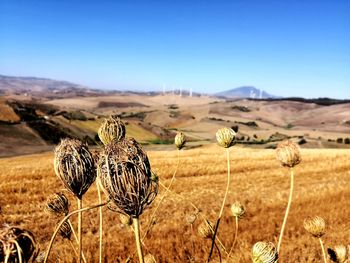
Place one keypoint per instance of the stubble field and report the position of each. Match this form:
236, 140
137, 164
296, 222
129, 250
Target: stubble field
322, 187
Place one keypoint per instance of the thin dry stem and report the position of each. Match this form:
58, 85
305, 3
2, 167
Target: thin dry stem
136, 224
79, 229
101, 219
235, 238
323, 251
287, 210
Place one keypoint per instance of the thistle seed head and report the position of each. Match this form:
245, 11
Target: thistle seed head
288, 153
339, 254
126, 177
206, 229
237, 209
264, 252
74, 165
17, 243
112, 129
65, 230
149, 258
180, 140
226, 137
57, 204
316, 226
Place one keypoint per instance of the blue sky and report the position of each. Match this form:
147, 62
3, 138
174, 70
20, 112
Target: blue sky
288, 48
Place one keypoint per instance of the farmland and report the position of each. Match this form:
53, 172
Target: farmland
258, 181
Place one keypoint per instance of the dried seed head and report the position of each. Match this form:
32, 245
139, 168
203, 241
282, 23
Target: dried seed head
264, 252
112, 129
126, 177
288, 153
126, 220
17, 243
237, 209
149, 258
206, 229
57, 204
74, 165
316, 226
339, 254
180, 140
191, 218
65, 230
226, 137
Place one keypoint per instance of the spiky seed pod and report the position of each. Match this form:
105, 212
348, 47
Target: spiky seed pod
226, 137
57, 204
339, 254
74, 165
112, 129
126, 220
237, 209
65, 230
264, 252
316, 226
149, 258
180, 140
126, 177
206, 229
17, 243
288, 153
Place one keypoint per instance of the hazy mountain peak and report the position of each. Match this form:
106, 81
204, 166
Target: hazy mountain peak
245, 92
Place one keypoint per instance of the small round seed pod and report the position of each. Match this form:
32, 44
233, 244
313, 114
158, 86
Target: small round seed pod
149, 258
65, 230
339, 254
17, 243
180, 140
237, 209
74, 165
126, 220
57, 204
264, 252
112, 129
288, 153
126, 177
226, 137
206, 229
316, 226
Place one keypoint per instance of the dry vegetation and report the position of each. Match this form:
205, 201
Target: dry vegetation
258, 181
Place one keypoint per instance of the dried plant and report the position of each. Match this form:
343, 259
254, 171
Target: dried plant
316, 226
206, 229
225, 138
338, 254
180, 140
126, 220
149, 258
112, 129
17, 245
65, 230
237, 210
74, 165
264, 252
57, 204
126, 177
288, 153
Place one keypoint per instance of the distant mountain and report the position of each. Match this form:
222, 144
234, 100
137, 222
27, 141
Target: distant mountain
245, 92
43, 87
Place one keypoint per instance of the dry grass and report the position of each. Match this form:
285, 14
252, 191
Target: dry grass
321, 188
7, 113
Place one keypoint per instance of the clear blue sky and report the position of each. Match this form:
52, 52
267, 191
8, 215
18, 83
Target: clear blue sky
288, 48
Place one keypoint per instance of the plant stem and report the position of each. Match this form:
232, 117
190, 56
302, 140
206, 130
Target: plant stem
323, 251
76, 238
235, 239
162, 198
80, 204
101, 218
222, 206
287, 210
64, 220
136, 224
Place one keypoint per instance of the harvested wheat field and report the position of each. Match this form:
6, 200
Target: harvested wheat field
258, 181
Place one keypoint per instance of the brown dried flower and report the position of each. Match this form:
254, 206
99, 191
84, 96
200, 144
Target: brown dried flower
288, 153
316, 226
57, 204
112, 129
180, 140
226, 137
264, 252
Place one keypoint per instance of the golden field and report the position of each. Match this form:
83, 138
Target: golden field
322, 187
